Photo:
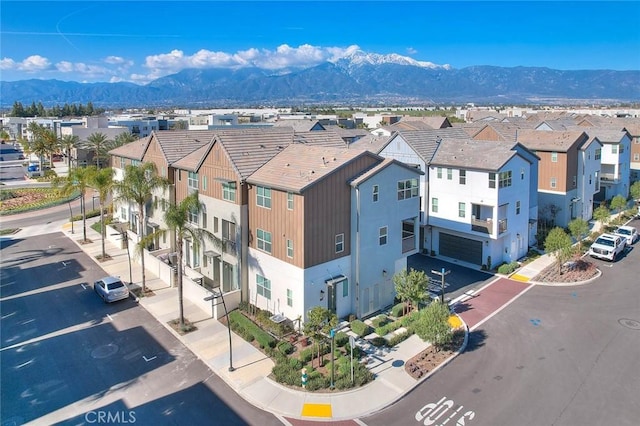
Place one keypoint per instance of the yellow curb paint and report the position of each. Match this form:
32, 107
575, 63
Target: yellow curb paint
316, 410
454, 321
66, 226
521, 278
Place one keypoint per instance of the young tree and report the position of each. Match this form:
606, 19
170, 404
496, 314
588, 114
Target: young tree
411, 288
77, 180
618, 203
579, 229
137, 187
102, 181
433, 326
558, 244
176, 217
634, 191
319, 323
602, 214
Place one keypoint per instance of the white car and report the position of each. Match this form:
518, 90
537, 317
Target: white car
111, 289
629, 233
607, 246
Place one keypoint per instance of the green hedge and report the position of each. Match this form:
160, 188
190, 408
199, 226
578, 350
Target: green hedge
398, 310
508, 268
262, 337
388, 328
360, 328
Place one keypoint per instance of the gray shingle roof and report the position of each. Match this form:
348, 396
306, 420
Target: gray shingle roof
175, 144
550, 140
424, 142
134, 150
473, 154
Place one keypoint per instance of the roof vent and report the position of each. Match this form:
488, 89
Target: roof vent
261, 146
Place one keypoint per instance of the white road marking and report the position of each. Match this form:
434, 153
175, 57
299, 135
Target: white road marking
149, 359
109, 316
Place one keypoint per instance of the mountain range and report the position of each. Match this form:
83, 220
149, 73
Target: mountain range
359, 79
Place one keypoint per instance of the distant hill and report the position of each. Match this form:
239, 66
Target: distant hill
356, 80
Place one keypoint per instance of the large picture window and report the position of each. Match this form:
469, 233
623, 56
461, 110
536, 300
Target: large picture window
407, 189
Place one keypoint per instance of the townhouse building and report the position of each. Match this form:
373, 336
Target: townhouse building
615, 162
479, 201
329, 227
633, 128
568, 177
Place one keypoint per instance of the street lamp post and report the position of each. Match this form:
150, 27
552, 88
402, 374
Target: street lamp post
215, 295
442, 273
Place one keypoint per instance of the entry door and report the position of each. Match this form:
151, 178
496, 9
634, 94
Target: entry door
332, 298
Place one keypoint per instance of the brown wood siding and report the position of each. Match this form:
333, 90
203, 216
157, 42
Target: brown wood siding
635, 147
216, 167
154, 155
572, 168
548, 169
327, 213
284, 224
488, 134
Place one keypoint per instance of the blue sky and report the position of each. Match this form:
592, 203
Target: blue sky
139, 41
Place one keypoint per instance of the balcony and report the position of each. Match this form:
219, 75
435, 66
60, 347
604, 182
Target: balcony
610, 177
408, 243
481, 225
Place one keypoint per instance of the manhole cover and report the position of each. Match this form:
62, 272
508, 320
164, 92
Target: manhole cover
629, 323
104, 351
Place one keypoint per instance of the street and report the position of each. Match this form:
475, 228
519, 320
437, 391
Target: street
563, 355
68, 358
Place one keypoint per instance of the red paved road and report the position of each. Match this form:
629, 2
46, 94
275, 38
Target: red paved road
489, 300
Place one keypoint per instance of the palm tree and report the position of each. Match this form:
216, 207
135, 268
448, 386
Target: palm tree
102, 181
125, 138
177, 219
137, 187
99, 144
68, 142
77, 180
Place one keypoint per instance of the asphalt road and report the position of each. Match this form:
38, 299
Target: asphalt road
68, 358
561, 356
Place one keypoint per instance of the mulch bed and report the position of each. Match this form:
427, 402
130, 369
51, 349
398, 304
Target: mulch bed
429, 359
574, 271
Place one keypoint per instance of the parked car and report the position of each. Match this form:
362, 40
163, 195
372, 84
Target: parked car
629, 233
607, 246
111, 289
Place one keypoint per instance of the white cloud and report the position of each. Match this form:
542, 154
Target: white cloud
86, 70
411, 51
31, 64
7, 64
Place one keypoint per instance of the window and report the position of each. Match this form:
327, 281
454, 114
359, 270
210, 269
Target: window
215, 225
204, 183
522, 173
179, 175
263, 197
621, 148
575, 180
382, 236
123, 162
192, 180
289, 297
264, 240
229, 231
492, 180
290, 248
135, 162
264, 286
598, 153
439, 169
554, 157
614, 149
376, 190
517, 207
434, 205
290, 200
553, 182
229, 191
345, 288
193, 216
461, 209
407, 189
463, 177
339, 243
204, 219
505, 179
449, 174
636, 157
123, 213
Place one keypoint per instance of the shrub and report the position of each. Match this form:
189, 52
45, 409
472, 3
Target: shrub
379, 321
360, 328
306, 355
397, 310
285, 348
341, 339
378, 341
264, 339
397, 338
508, 268
388, 328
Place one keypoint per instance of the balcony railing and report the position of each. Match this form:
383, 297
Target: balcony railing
408, 243
480, 225
502, 226
609, 177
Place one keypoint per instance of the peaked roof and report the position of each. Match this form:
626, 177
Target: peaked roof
363, 177
474, 154
175, 144
299, 125
551, 140
425, 142
134, 150
322, 138
300, 166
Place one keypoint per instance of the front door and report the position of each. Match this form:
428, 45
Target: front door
332, 298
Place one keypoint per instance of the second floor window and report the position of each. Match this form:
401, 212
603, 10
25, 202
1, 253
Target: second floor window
263, 197
463, 177
339, 243
193, 216
439, 171
449, 174
290, 200
461, 209
382, 236
290, 248
505, 179
614, 149
434, 205
123, 162
598, 153
192, 180
289, 297
407, 189
376, 190
553, 182
263, 286
492, 180
229, 191
264, 240
554, 157
517, 207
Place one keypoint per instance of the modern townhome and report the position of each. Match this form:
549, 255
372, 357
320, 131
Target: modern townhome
615, 161
479, 201
568, 177
329, 226
634, 131
416, 148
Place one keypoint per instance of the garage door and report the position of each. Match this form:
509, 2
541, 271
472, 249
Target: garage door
461, 248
